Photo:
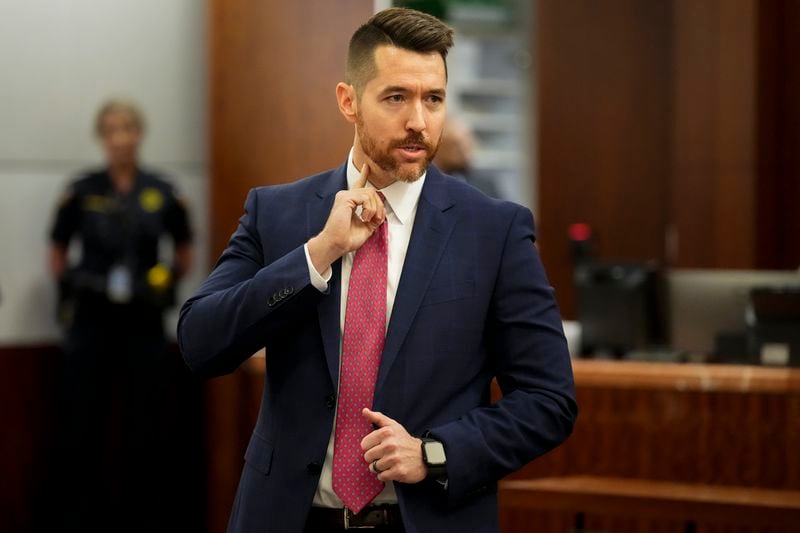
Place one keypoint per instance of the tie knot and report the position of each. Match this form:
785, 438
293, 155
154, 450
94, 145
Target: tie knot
383, 198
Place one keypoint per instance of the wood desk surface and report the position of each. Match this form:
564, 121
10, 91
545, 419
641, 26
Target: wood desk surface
684, 376
670, 376
657, 499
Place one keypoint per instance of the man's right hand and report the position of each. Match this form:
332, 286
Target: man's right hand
345, 231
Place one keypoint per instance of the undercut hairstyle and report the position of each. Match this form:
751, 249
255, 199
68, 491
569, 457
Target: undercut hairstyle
398, 26
118, 105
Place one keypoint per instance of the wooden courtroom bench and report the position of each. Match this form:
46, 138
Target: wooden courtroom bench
691, 441
687, 502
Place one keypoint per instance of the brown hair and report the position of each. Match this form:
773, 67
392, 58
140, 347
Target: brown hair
401, 27
118, 105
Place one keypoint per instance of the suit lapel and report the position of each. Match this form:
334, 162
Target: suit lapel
318, 209
432, 228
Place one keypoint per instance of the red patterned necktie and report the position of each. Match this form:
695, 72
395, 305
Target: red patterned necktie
362, 346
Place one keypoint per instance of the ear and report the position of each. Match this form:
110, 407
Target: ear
346, 98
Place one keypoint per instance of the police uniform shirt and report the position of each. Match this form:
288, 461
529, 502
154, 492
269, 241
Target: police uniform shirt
116, 228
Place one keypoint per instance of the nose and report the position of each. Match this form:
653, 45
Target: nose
416, 118
117, 137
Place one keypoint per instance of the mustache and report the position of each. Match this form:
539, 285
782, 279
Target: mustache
413, 138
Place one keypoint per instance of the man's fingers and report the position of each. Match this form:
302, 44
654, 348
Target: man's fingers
357, 197
369, 207
361, 182
372, 209
377, 418
391, 453
372, 440
377, 206
394, 473
376, 467
378, 421
378, 451
377, 209
389, 474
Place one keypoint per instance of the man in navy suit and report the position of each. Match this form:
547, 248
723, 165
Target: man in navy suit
388, 296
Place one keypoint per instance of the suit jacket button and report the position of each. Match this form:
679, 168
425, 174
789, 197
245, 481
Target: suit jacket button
314, 468
330, 401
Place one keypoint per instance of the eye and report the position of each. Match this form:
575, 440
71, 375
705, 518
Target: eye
435, 99
395, 98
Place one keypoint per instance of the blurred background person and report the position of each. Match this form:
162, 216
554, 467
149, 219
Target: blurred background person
111, 303
456, 153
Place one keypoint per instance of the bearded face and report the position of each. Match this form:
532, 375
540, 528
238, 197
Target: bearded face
399, 113
404, 159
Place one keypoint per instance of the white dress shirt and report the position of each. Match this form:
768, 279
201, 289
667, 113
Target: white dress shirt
401, 203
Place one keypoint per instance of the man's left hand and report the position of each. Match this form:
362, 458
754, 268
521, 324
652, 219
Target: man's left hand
396, 454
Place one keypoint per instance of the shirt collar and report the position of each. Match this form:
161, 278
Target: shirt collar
402, 197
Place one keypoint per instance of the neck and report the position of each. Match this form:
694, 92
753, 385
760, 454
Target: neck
123, 177
377, 176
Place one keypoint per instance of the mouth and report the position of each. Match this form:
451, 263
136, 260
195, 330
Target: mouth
412, 151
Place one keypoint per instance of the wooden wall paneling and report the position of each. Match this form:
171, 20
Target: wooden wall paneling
232, 404
724, 425
716, 436
694, 147
224, 452
522, 520
29, 379
274, 119
737, 149
712, 199
670, 117
620, 524
770, 169
778, 191
716, 528
789, 206
604, 104
273, 70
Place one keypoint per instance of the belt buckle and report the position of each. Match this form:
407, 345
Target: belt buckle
347, 520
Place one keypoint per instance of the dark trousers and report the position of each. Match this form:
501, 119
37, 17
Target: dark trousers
113, 391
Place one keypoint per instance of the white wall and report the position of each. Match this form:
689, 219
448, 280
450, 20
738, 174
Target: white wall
58, 60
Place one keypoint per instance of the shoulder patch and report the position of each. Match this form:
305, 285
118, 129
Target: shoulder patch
151, 199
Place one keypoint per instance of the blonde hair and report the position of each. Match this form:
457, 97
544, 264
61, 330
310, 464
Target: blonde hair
118, 105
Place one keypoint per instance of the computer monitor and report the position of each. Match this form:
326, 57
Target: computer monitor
773, 334
706, 303
618, 307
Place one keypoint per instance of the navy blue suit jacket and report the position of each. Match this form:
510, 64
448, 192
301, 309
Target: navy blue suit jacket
473, 303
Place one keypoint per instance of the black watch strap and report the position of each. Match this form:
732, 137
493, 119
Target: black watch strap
437, 469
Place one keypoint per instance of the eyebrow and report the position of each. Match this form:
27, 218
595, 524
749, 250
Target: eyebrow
405, 90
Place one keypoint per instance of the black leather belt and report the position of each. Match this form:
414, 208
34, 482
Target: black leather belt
372, 516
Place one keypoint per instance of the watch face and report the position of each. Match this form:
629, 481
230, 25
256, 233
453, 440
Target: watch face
434, 453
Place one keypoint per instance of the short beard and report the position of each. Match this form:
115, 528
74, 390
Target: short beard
384, 159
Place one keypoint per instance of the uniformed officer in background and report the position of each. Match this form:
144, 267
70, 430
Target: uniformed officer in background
111, 304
